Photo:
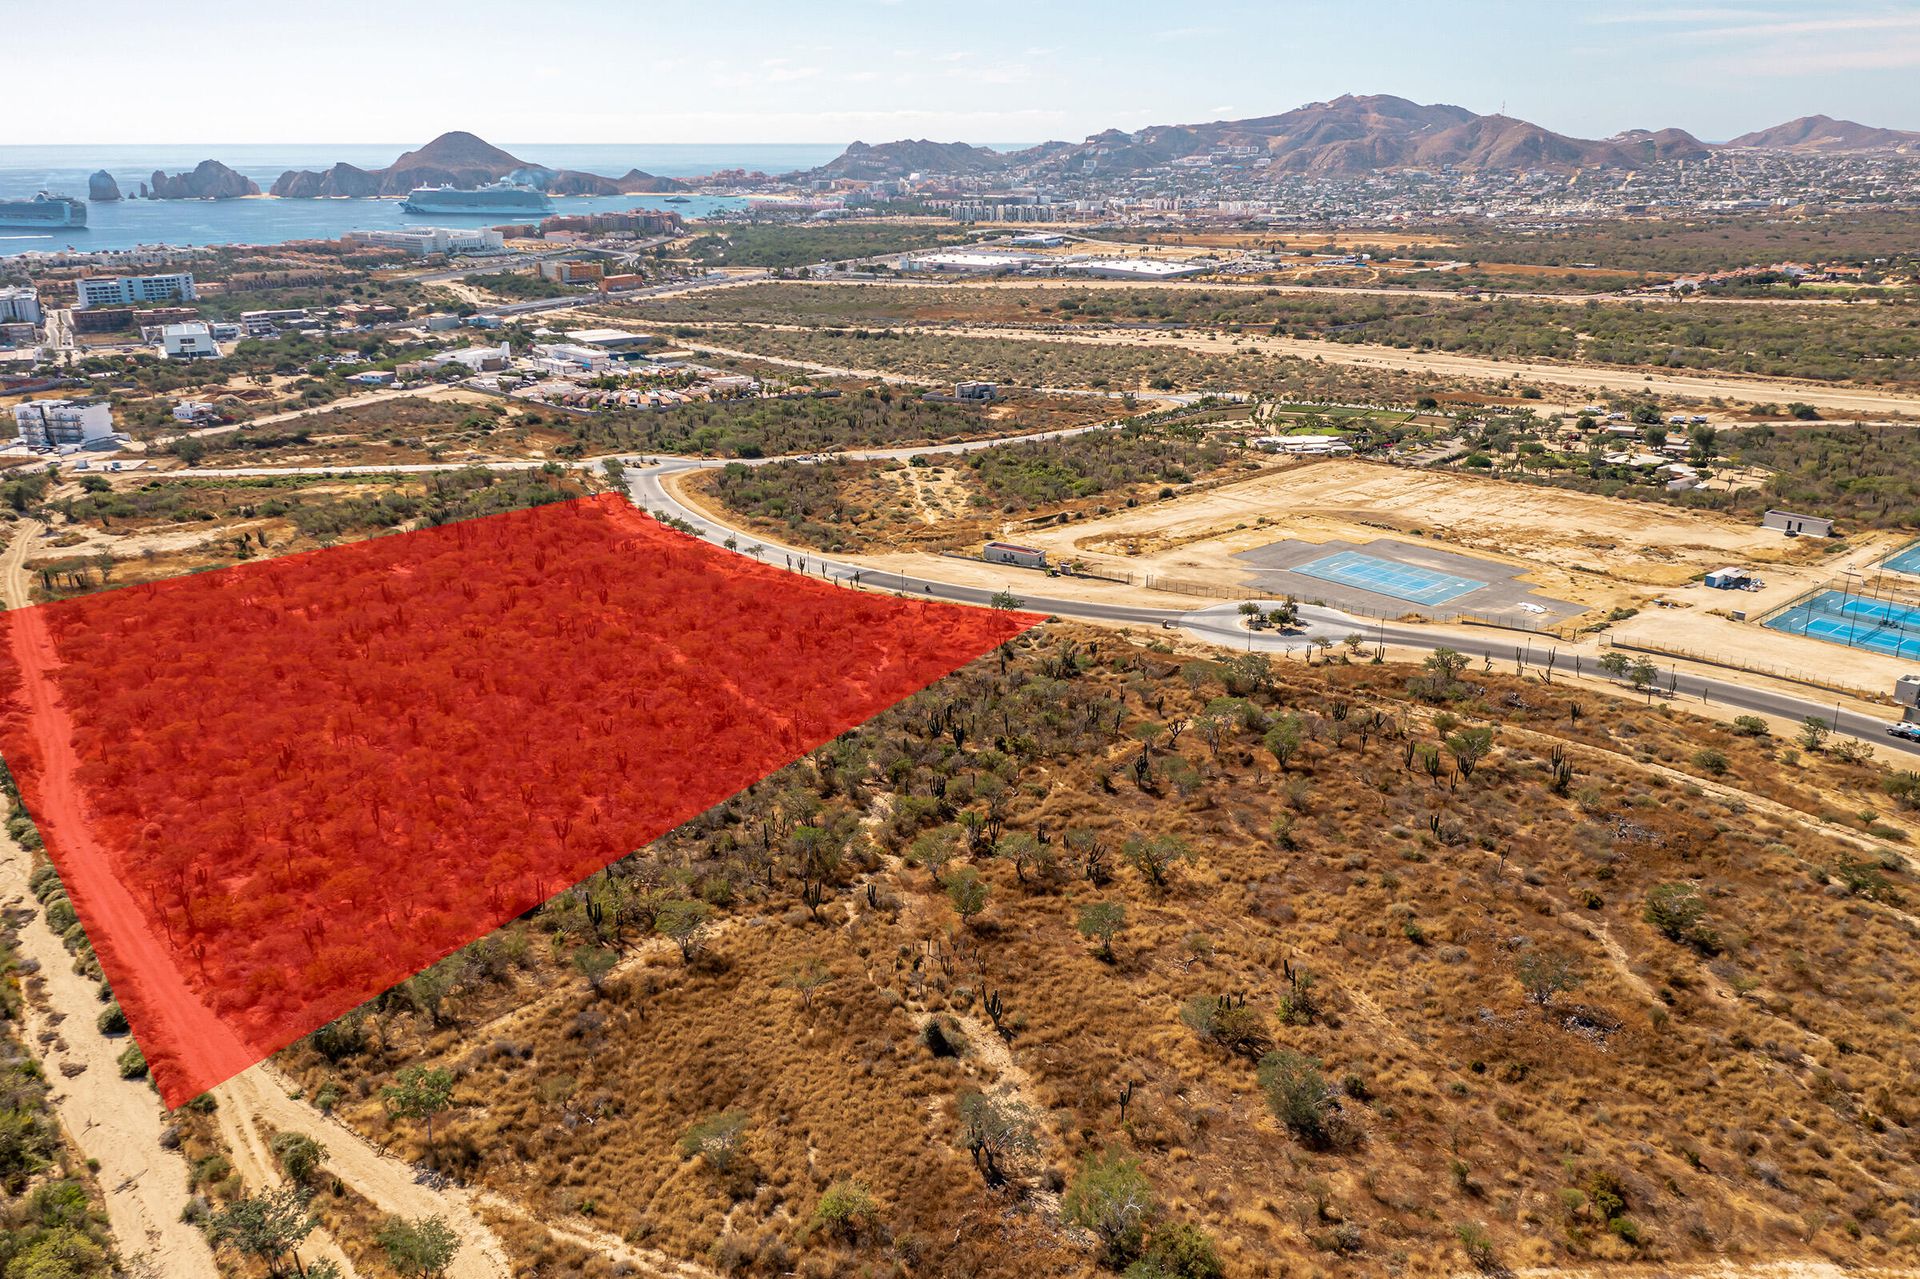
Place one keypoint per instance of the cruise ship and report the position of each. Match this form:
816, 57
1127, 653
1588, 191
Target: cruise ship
44, 212
497, 197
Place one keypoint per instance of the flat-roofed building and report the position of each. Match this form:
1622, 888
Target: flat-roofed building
1137, 269
572, 271
1796, 525
19, 304
612, 341
188, 342
1009, 553
131, 290
52, 424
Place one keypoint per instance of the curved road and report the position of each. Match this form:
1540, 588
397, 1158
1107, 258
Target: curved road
1215, 625
1218, 624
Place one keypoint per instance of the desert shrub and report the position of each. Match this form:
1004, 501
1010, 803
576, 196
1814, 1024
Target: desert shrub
1226, 1021
112, 1020
1302, 1099
1178, 1250
1111, 1197
845, 1210
299, 1156
1677, 911
717, 1138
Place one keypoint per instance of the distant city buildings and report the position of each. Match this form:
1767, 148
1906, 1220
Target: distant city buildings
130, 290
54, 424
571, 271
422, 241
19, 305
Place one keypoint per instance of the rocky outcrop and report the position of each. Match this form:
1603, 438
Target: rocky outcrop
102, 189
635, 182
460, 160
340, 180
210, 180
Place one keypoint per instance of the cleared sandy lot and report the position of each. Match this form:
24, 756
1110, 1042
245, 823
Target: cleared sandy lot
1578, 546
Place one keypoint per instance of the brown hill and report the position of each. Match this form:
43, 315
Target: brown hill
1823, 133
459, 159
898, 159
1355, 969
1351, 134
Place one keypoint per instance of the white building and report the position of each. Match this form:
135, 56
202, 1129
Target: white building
188, 342
19, 305
1305, 445
196, 411
127, 290
562, 358
50, 424
476, 359
1137, 268
960, 262
421, 241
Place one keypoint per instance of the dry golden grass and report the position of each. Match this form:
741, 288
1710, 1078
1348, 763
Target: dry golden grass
1754, 1103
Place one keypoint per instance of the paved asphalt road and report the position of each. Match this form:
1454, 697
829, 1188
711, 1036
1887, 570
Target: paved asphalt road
1220, 624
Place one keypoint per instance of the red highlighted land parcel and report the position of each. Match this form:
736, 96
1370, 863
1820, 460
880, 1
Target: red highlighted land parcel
276, 790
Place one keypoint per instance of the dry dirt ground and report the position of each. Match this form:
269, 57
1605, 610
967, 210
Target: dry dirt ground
1588, 379
1580, 546
116, 1121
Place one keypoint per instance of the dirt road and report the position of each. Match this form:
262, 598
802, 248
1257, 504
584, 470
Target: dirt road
260, 1099
113, 1120
1588, 379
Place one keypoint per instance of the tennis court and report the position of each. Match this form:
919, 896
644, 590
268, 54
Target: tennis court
1905, 561
1385, 577
1858, 621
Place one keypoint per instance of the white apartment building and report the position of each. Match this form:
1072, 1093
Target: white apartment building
421, 241
49, 424
188, 342
128, 290
19, 305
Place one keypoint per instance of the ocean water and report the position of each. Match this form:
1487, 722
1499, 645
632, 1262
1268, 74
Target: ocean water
64, 171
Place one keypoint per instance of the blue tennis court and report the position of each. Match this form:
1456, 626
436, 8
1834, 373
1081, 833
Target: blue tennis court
1384, 577
1906, 561
1858, 621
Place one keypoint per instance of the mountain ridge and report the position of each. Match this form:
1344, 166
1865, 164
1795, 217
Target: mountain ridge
1347, 135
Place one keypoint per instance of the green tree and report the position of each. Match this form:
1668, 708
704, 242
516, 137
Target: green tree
1285, 738
594, 963
1155, 855
1545, 973
967, 892
1468, 747
419, 1093
685, 921
266, 1227
1102, 920
418, 1247
1813, 733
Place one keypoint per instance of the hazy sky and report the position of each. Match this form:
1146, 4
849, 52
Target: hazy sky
981, 71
